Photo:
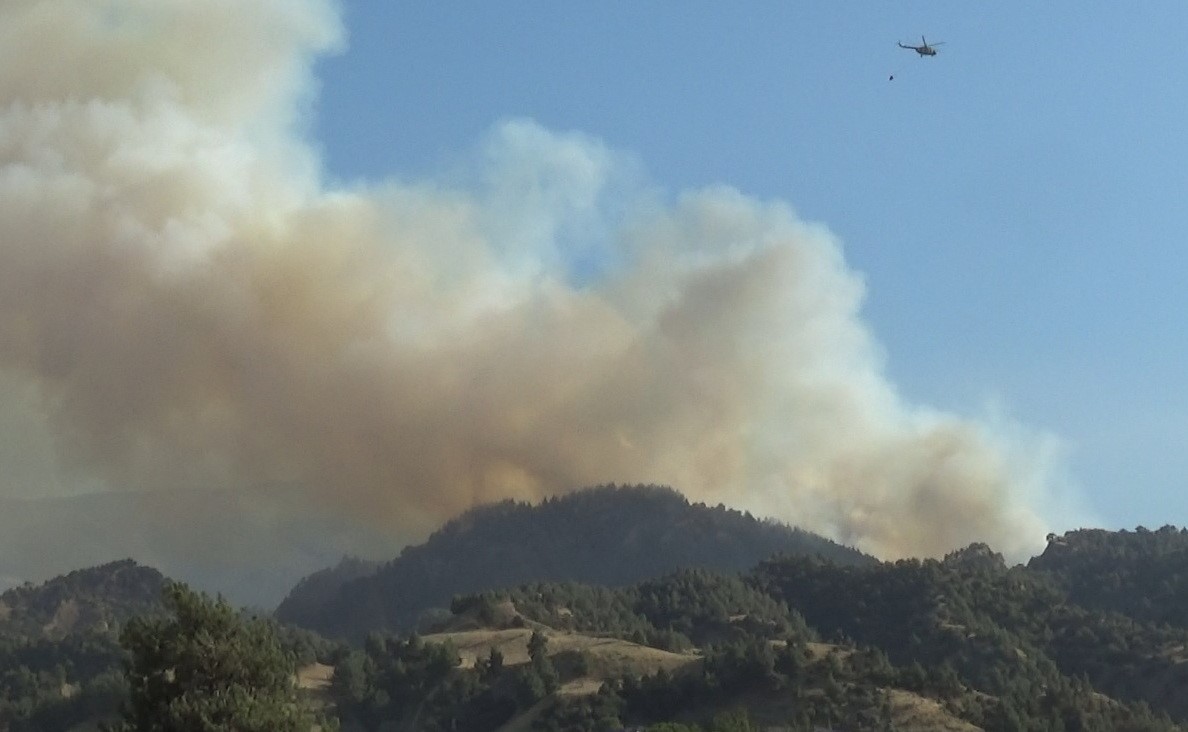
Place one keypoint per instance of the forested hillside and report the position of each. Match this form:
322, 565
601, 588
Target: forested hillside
910, 645
1142, 574
305, 602
60, 660
1088, 636
913, 644
607, 536
87, 600
1005, 632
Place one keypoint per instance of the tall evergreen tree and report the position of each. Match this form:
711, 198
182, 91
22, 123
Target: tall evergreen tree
202, 668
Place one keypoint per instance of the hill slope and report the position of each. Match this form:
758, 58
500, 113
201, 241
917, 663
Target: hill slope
1141, 574
94, 600
1004, 632
607, 536
60, 662
1080, 639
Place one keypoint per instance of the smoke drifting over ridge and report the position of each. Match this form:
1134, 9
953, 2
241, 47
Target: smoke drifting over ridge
191, 305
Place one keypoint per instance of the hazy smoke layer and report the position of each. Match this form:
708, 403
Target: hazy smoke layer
191, 306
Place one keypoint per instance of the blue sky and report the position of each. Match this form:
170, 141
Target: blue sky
1013, 204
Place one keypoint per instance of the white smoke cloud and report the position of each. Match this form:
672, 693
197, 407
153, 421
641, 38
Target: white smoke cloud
194, 307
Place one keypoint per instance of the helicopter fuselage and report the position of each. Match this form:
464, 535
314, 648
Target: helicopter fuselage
924, 49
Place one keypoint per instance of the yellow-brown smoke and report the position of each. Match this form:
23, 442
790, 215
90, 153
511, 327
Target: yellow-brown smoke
193, 306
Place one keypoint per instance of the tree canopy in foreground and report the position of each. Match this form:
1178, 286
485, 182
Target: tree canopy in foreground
203, 667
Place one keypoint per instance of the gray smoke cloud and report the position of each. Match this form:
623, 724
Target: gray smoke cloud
185, 302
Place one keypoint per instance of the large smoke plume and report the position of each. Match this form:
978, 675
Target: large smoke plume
184, 302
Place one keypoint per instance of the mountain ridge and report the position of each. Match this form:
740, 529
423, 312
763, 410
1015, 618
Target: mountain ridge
610, 535
1088, 635
94, 600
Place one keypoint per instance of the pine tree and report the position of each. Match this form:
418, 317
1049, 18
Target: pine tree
202, 668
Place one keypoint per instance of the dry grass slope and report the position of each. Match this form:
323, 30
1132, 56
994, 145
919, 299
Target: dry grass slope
914, 712
611, 658
608, 657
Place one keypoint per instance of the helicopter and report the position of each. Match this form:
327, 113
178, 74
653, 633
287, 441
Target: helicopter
924, 49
